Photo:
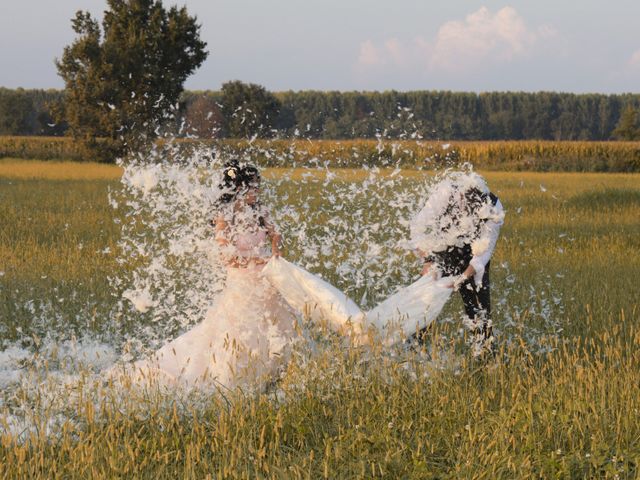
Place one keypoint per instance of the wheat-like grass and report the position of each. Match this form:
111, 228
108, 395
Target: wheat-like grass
571, 413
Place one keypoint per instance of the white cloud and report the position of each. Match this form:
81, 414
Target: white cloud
392, 51
501, 37
482, 37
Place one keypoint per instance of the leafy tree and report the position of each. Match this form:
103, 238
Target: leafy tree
122, 80
248, 109
627, 127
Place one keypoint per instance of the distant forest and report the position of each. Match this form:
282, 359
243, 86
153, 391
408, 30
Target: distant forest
240, 110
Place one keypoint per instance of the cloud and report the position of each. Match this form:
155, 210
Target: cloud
397, 52
392, 52
369, 55
481, 37
501, 36
634, 60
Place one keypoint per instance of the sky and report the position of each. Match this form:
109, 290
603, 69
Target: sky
587, 46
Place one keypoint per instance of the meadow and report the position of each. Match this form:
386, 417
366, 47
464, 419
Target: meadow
561, 400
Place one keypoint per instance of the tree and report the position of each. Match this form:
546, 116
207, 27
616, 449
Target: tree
627, 127
203, 117
122, 80
248, 109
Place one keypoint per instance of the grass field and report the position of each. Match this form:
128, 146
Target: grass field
561, 401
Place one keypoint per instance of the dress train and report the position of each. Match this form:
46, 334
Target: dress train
402, 314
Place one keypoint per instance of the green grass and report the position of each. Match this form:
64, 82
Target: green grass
345, 413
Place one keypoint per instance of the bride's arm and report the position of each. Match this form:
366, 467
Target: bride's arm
274, 236
222, 238
222, 230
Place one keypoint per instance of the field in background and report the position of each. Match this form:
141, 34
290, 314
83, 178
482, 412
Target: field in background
564, 278
527, 155
14, 169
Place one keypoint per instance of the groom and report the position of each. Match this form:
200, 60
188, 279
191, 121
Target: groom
455, 233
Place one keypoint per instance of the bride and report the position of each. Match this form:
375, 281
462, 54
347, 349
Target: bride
248, 331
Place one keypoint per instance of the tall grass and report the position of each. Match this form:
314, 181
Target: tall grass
572, 412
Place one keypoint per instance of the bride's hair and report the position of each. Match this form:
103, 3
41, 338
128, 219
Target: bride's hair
237, 179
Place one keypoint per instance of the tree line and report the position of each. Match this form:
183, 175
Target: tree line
29, 112
124, 80
244, 110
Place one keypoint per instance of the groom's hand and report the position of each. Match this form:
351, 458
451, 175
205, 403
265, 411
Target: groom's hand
469, 272
454, 283
467, 275
458, 282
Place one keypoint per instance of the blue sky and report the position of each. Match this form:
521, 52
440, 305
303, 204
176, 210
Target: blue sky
524, 45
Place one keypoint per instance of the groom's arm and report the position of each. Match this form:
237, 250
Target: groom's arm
484, 246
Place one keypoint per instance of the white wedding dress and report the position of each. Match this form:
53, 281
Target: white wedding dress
244, 340
247, 334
